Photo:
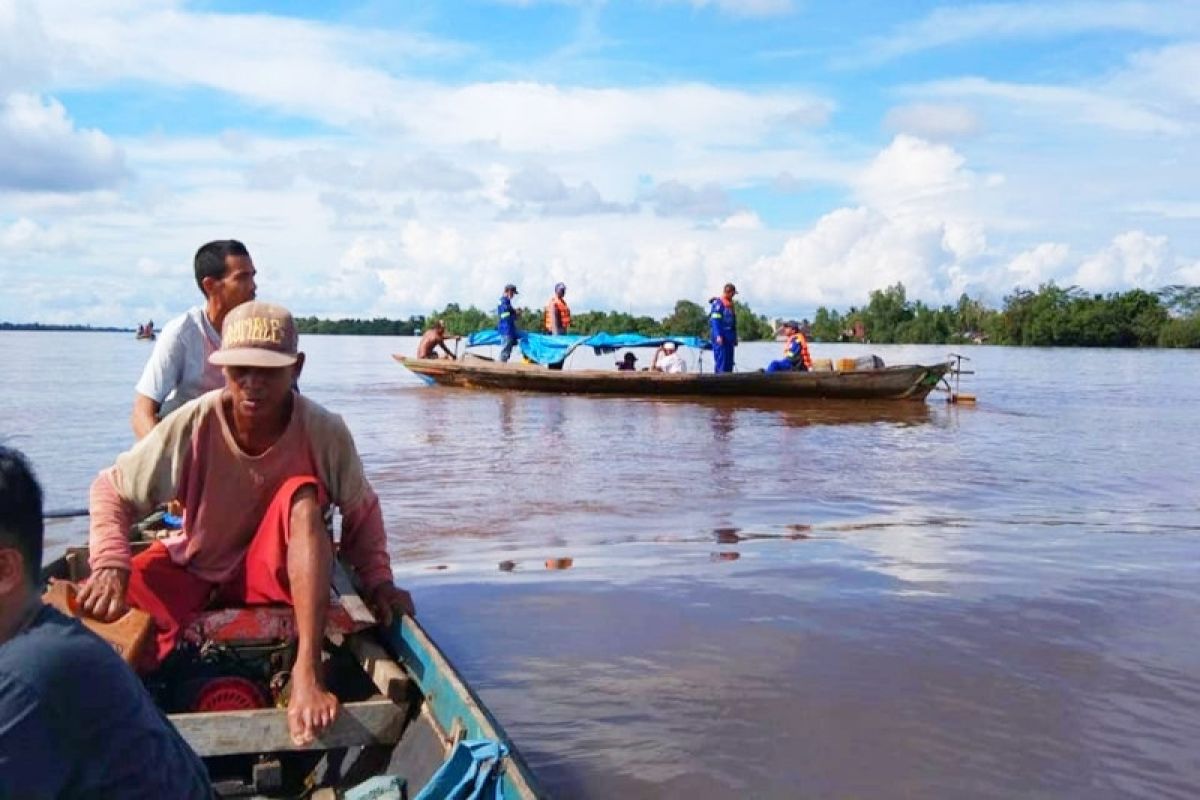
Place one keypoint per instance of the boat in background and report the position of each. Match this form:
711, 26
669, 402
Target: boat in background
912, 382
863, 379
409, 726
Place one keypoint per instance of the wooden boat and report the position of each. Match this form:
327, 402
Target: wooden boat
911, 382
405, 713
150, 336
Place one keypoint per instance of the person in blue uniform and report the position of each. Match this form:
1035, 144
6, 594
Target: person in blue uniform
508, 322
722, 323
795, 351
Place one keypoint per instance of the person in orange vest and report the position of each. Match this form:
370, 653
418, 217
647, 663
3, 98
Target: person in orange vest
795, 351
558, 314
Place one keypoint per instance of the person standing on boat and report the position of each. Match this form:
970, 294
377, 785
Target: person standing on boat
722, 324
74, 719
508, 322
558, 314
795, 351
256, 464
179, 369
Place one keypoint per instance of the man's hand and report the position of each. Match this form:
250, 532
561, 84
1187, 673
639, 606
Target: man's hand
388, 601
720, 340
103, 596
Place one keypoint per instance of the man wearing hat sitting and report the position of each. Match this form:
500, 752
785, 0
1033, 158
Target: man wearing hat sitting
667, 359
795, 351
255, 464
628, 363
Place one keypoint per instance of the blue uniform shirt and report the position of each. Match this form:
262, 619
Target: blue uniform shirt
76, 722
722, 321
508, 318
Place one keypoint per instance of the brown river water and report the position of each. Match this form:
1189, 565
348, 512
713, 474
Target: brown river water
763, 599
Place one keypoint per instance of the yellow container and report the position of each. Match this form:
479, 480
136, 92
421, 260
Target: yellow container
845, 365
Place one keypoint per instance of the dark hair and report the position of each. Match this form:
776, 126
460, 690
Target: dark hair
21, 525
210, 259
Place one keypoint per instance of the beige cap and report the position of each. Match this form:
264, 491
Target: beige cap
257, 335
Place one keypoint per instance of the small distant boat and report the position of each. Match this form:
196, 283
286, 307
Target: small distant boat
144, 335
908, 382
408, 721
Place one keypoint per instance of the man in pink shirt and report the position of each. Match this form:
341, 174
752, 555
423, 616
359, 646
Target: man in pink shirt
254, 463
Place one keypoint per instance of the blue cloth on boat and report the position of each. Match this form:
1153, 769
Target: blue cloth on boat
472, 772
76, 722
548, 349
172, 521
508, 317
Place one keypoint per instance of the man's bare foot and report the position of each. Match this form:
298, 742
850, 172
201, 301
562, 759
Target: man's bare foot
311, 709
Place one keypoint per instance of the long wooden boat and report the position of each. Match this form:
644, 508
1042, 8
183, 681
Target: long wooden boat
912, 382
406, 718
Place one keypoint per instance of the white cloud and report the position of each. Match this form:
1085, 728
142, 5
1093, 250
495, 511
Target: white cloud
1132, 258
675, 199
934, 121
955, 25
1062, 105
1041, 264
42, 150
747, 8
546, 191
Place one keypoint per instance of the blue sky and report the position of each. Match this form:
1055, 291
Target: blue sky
388, 158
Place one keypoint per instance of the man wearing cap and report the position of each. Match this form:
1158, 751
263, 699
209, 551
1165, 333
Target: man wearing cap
178, 369
667, 359
255, 464
722, 324
795, 350
508, 322
628, 363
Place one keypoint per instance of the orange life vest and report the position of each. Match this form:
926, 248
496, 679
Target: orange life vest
796, 348
564, 314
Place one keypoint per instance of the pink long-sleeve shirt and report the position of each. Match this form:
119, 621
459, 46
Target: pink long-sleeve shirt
192, 455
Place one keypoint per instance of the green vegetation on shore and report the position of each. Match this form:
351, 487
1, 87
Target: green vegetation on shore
688, 319
1051, 316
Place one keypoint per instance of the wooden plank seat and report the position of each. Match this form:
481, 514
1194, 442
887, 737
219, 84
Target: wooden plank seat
222, 733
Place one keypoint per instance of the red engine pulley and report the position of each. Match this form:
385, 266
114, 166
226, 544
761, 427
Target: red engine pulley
230, 693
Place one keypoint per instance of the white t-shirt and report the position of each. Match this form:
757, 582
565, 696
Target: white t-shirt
672, 362
178, 369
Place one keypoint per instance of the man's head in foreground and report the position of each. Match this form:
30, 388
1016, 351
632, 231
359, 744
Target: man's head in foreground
21, 533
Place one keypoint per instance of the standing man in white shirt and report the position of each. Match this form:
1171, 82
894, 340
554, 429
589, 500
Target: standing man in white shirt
178, 369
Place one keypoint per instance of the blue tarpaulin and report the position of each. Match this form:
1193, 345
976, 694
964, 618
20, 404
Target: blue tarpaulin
546, 349
472, 772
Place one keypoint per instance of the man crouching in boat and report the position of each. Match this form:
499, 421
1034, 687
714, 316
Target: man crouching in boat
795, 351
254, 463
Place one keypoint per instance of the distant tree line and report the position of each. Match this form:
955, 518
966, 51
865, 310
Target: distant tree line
688, 319
40, 326
1050, 316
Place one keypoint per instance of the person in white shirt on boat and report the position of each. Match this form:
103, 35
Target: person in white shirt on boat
178, 369
668, 359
